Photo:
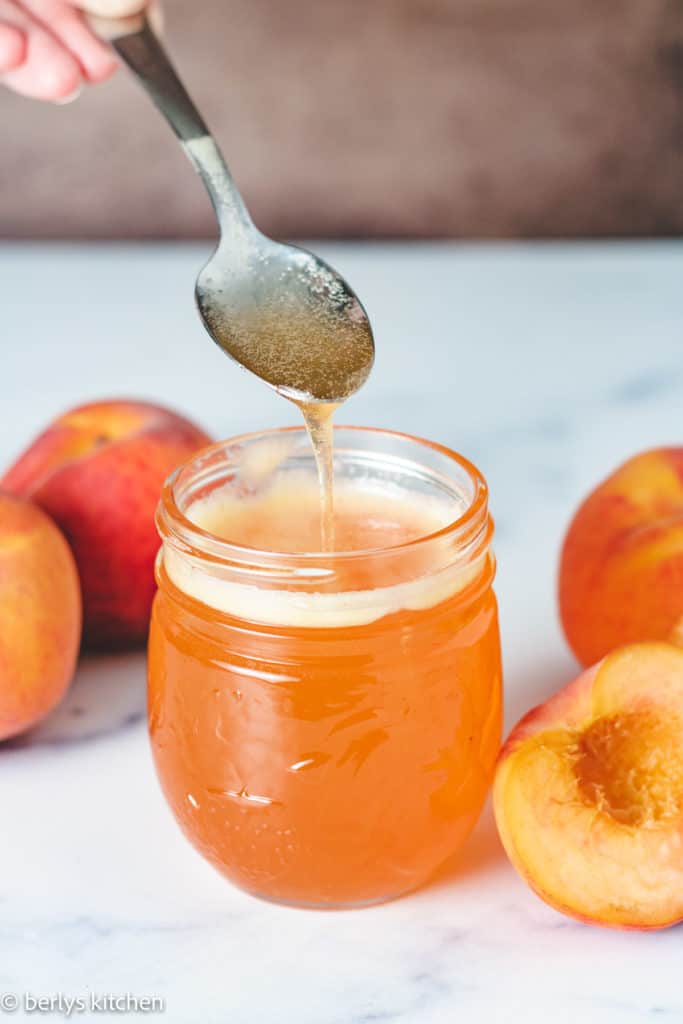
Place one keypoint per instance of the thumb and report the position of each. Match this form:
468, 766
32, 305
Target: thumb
113, 8
110, 19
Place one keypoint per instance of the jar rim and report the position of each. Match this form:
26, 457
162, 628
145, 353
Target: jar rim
471, 526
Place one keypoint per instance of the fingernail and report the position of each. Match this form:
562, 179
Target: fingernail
63, 100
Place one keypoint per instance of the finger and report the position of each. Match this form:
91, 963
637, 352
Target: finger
68, 26
155, 16
48, 71
12, 47
113, 8
114, 28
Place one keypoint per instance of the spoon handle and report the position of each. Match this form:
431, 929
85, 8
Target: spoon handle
139, 48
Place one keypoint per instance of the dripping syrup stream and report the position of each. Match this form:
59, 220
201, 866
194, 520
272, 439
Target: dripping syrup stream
318, 419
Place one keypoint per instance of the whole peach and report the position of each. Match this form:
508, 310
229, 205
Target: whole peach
621, 569
40, 615
98, 471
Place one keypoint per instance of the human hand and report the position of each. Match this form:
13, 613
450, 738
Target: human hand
47, 49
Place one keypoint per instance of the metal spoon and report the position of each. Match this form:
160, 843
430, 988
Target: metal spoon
276, 309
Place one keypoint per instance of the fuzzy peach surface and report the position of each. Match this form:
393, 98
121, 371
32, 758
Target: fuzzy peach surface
621, 569
40, 615
98, 471
588, 792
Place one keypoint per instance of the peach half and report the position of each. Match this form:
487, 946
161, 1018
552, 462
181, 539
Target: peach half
588, 792
621, 570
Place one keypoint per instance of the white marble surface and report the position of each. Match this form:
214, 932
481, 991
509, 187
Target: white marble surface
544, 364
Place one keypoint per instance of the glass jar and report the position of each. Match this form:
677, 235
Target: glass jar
325, 726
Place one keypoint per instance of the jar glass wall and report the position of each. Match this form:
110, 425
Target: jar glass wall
325, 725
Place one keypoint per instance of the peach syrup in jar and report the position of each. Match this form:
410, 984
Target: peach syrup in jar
325, 723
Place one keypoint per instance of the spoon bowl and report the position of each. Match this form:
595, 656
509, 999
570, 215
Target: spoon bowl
287, 316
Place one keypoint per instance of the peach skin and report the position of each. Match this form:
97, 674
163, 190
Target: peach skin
40, 615
98, 471
621, 568
588, 792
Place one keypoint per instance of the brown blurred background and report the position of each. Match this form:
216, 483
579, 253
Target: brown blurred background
380, 118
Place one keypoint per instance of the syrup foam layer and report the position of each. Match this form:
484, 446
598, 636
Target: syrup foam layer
285, 517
